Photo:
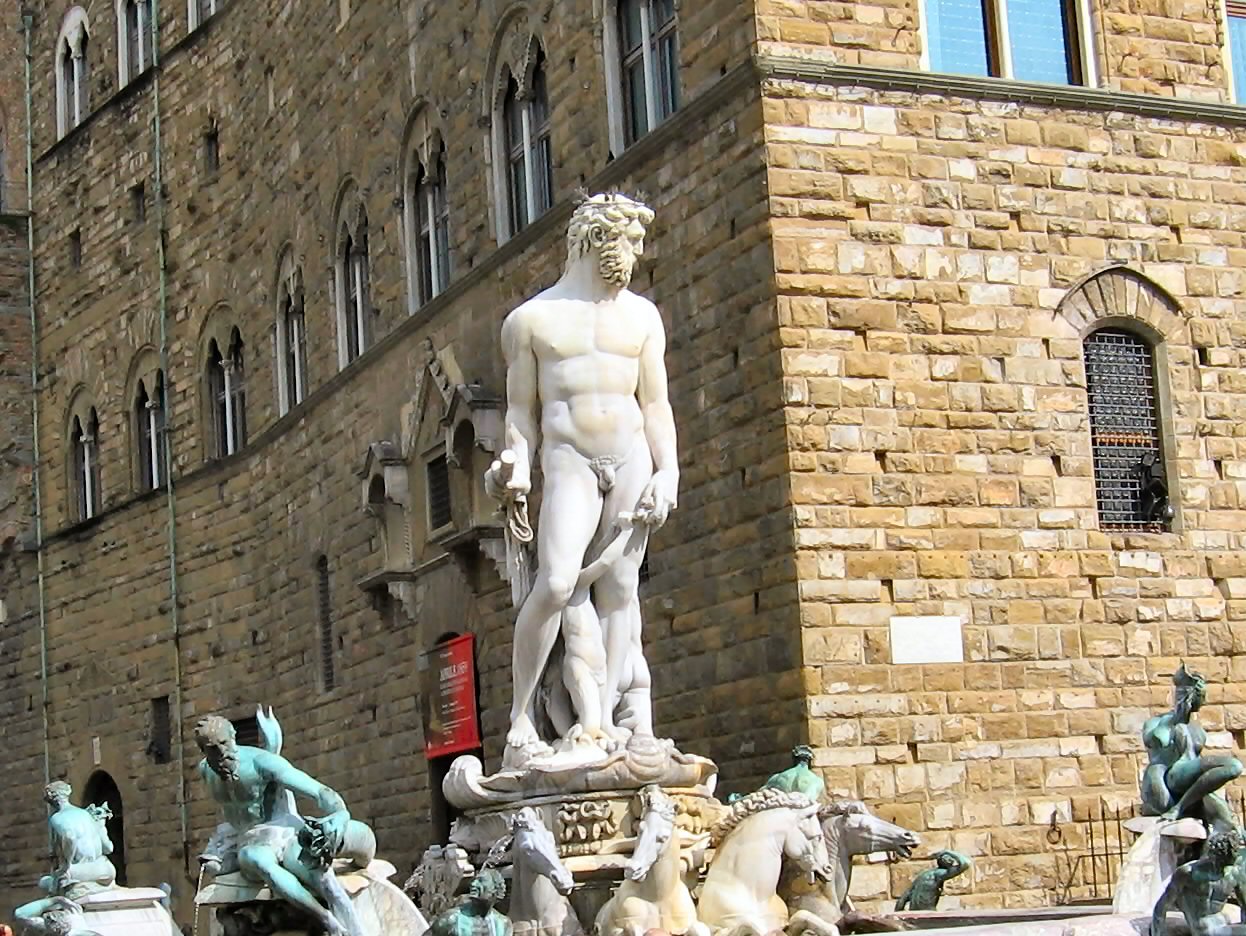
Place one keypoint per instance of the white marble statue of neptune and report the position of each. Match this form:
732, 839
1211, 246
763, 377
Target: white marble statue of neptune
586, 384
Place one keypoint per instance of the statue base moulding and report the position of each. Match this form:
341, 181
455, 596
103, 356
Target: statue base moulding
593, 835
641, 763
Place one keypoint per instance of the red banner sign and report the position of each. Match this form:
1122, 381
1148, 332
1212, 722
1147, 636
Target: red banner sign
449, 699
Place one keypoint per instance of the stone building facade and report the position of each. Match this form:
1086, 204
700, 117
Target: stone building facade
877, 280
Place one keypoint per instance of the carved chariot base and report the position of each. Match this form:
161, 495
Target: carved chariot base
127, 911
230, 905
594, 833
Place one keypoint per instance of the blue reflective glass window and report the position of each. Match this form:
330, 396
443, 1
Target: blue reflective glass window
1237, 47
958, 37
1041, 33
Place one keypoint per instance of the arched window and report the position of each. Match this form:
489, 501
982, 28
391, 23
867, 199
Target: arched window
101, 790
133, 39
431, 226
646, 66
291, 338
351, 268
236, 388
226, 390
1125, 434
522, 137
426, 209
149, 426
84, 465
71, 71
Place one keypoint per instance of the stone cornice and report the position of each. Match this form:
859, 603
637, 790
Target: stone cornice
798, 68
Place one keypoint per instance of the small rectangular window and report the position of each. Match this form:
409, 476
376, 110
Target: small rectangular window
161, 745
328, 669
247, 731
75, 248
1236, 10
138, 203
439, 510
211, 151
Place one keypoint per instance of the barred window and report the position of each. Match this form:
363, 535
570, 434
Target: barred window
324, 601
1130, 484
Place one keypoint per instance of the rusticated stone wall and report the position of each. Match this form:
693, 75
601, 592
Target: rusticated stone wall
1148, 47
938, 262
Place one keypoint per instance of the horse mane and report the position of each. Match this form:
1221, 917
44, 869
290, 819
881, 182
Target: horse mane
653, 799
842, 807
760, 801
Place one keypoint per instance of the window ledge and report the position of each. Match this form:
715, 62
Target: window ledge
799, 68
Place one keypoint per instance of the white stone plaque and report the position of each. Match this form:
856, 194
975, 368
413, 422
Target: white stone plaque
927, 639
95, 751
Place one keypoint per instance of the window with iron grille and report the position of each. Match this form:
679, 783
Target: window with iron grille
439, 512
1125, 432
328, 670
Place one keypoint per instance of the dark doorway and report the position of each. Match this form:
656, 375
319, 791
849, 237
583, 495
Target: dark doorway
102, 789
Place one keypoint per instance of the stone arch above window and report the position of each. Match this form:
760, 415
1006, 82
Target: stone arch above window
351, 273
1119, 292
71, 70
1125, 321
426, 208
290, 328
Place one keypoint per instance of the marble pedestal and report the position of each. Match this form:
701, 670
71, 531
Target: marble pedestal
232, 906
593, 811
128, 911
1152, 859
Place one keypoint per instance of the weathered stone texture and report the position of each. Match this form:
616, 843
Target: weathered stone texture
874, 306
930, 262
301, 107
1151, 47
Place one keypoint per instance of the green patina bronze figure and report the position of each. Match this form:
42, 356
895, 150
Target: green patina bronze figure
475, 914
927, 887
80, 864
265, 838
80, 845
1200, 889
799, 778
53, 916
1180, 780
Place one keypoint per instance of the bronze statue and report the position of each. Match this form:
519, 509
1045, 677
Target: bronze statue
476, 913
927, 887
1201, 888
1180, 780
800, 778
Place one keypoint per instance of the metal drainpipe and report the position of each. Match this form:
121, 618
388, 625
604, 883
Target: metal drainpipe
174, 616
27, 29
